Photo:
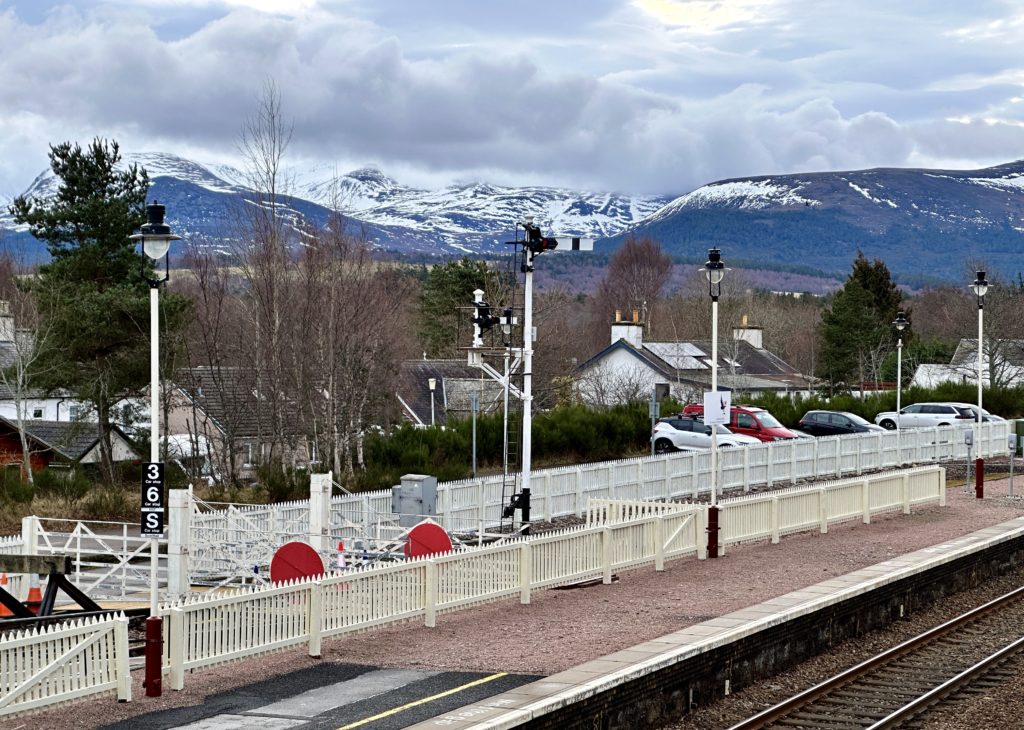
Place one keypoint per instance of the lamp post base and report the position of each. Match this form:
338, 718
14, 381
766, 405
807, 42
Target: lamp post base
154, 656
713, 532
979, 478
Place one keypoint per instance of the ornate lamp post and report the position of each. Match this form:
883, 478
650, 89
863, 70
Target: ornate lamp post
155, 238
714, 269
980, 288
432, 384
900, 324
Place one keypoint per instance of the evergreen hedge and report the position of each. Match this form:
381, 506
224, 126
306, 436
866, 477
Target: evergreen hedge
573, 434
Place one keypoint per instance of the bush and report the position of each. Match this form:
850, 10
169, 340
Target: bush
69, 485
14, 488
282, 483
109, 503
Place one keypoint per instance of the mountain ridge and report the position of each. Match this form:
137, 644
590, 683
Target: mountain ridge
924, 223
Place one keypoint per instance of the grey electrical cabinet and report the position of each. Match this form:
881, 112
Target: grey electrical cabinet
414, 499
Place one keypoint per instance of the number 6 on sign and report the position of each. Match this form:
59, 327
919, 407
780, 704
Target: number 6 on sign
153, 498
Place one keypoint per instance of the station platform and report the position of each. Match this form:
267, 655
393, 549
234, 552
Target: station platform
613, 681
569, 648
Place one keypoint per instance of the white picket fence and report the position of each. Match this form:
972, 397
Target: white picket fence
237, 542
210, 629
17, 584
40, 667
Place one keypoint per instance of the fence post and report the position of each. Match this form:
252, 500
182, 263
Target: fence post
776, 520
906, 493
659, 542
792, 462
865, 500
319, 511
579, 491
942, 486
700, 527
839, 457
316, 617
525, 572
823, 510
814, 464
30, 535
430, 603
746, 469
177, 649
179, 540
122, 671
606, 555
666, 480
30, 546
771, 464
481, 508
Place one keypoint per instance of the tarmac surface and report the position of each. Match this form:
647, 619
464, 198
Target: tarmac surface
333, 696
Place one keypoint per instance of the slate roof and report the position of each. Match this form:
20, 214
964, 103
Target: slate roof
456, 382
70, 439
1011, 352
740, 364
226, 395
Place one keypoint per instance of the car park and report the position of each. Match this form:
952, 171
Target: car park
924, 415
835, 423
683, 433
749, 421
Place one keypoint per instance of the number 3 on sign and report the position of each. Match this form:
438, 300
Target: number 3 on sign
153, 472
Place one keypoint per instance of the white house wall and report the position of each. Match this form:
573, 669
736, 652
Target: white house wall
617, 378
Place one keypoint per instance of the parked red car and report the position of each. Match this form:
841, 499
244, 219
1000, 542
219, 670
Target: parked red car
749, 420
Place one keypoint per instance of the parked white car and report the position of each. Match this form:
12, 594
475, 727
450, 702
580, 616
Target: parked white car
924, 415
683, 433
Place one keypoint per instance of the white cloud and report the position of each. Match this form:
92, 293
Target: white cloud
642, 96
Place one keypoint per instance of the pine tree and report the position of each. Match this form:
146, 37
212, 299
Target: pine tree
93, 290
856, 330
448, 287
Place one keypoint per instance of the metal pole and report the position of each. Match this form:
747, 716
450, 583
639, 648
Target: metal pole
154, 624
714, 389
474, 405
979, 465
899, 393
1013, 453
527, 375
654, 392
154, 416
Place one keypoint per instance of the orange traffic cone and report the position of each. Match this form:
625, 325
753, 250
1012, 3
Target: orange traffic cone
4, 611
35, 595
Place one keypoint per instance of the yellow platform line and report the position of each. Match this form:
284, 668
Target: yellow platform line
425, 700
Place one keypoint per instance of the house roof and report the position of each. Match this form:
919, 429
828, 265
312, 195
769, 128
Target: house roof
456, 381
1010, 352
226, 395
740, 364
70, 439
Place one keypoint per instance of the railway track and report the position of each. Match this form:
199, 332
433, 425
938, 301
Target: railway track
972, 652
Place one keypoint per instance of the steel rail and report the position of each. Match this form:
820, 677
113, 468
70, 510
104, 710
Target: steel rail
786, 707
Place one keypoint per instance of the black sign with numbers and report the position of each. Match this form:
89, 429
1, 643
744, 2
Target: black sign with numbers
153, 498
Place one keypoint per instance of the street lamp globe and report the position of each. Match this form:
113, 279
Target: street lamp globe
155, 235
901, 322
980, 285
715, 270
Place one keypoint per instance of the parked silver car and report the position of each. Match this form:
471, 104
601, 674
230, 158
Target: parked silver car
683, 433
924, 415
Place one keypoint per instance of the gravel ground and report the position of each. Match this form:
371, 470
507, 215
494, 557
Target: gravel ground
563, 628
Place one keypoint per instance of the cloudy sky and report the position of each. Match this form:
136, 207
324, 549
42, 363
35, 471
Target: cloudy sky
637, 96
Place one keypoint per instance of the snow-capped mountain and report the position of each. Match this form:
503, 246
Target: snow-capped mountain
920, 222
203, 200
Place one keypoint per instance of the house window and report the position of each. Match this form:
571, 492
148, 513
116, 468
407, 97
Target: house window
37, 413
75, 412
